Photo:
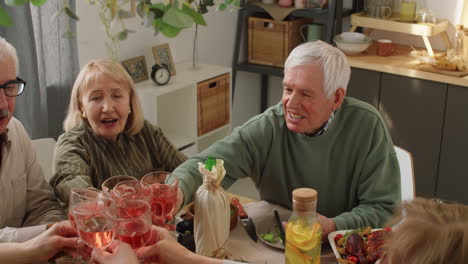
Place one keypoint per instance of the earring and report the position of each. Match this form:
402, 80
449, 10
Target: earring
129, 111
83, 114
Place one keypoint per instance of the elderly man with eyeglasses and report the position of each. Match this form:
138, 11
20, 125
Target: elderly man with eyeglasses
27, 203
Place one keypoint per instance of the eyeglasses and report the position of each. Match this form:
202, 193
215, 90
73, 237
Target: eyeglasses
14, 88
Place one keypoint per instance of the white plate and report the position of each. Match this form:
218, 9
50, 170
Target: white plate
268, 224
331, 239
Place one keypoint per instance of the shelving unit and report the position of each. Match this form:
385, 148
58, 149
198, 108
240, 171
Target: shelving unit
392, 24
173, 107
330, 17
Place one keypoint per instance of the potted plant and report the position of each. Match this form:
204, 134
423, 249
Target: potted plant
167, 17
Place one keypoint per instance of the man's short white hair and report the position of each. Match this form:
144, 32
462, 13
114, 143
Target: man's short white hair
8, 51
334, 63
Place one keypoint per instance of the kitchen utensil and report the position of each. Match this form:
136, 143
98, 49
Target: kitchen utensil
280, 226
246, 221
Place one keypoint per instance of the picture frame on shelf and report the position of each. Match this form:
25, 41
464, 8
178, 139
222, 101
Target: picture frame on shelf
136, 68
162, 55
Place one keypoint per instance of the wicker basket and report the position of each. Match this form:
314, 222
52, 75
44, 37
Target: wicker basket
213, 103
271, 41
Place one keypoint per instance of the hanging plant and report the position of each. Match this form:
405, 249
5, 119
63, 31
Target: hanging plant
169, 18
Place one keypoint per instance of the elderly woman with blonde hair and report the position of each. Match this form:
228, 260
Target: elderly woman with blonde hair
106, 134
429, 232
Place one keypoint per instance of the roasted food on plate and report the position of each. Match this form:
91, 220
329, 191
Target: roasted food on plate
363, 246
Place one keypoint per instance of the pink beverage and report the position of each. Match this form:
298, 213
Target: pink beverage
131, 212
163, 201
135, 233
94, 224
97, 239
133, 190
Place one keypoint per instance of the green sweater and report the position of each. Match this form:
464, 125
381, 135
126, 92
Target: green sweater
84, 159
352, 165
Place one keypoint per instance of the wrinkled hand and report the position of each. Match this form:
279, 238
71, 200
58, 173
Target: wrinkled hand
116, 253
59, 237
166, 250
328, 225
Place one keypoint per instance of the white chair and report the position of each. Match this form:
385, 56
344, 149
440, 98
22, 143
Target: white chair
407, 173
44, 148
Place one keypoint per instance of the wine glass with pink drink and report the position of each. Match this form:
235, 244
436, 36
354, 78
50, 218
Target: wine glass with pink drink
95, 221
133, 222
164, 187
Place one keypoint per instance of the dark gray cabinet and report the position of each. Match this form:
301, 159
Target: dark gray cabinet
453, 169
414, 112
429, 120
365, 86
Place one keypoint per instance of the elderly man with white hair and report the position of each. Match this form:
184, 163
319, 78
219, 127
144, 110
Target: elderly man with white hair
27, 203
316, 138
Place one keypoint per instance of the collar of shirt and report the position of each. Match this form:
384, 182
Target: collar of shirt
324, 128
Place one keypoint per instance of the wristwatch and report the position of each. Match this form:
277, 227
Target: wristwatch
160, 74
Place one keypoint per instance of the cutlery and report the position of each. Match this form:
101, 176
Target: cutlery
246, 221
280, 226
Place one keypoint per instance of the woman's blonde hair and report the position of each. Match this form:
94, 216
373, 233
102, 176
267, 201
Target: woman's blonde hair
90, 73
429, 232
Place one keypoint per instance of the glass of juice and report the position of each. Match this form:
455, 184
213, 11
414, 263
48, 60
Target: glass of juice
407, 10
164, 186
133, 222
109, 184
95, 221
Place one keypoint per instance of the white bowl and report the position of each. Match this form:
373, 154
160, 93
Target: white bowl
352, 48
353, 37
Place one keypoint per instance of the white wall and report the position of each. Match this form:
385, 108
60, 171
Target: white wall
215, 46
216, 43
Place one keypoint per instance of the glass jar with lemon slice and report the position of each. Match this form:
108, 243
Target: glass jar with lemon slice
303, 231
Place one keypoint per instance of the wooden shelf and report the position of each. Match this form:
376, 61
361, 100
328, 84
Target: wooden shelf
392, 24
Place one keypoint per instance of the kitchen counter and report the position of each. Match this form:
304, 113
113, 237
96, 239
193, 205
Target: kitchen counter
401, 63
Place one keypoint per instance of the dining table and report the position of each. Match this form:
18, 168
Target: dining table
241, 247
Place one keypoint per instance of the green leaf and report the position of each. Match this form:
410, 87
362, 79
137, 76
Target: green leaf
15, 2
222, 7
122, 35
177, 18
71, 14
210, 163
5, 19
228, 2
38, 2
167, 30
197, 17
160, 6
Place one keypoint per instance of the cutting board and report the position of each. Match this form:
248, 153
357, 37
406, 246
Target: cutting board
431, 68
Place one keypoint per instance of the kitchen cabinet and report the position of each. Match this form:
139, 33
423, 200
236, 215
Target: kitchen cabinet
453, 168
183, 107
428, 119
365, 86
413, 110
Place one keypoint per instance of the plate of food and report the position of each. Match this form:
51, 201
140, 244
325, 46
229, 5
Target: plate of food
268, 230
362, 245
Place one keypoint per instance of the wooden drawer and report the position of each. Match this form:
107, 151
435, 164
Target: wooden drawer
213, 102
271, 41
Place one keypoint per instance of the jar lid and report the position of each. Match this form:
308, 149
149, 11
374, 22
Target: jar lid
304, 195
